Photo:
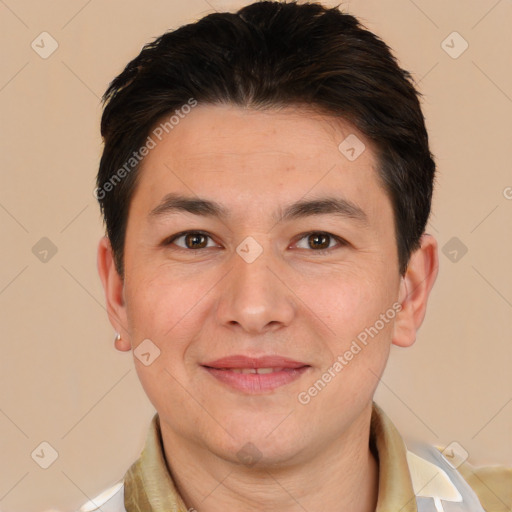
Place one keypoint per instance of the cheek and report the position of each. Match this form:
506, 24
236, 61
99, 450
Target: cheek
360, 316
163, 310
158, 303
348, 301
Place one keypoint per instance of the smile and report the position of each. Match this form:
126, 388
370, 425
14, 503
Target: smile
255, 375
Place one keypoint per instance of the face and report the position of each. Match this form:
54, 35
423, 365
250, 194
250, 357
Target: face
253, 294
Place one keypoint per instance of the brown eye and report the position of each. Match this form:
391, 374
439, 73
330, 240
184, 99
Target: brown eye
190, 240
195, 241
319, 241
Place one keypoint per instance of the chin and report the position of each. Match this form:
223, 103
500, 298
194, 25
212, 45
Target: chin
260, 445
256, 456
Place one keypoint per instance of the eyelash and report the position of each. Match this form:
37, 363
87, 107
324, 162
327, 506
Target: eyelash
340, 241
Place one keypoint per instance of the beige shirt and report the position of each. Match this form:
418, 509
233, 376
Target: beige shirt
148, 485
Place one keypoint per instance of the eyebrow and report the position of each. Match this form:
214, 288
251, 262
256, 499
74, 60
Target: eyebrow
175, 203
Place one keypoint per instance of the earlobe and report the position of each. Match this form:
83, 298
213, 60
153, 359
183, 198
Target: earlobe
414, 291
121, 344
113, 288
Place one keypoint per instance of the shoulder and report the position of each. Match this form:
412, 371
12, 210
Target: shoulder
435, 474
110, 500
492, 484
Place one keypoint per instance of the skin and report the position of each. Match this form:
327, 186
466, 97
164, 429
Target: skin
198, 305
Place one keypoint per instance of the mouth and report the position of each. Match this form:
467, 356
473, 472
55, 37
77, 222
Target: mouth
255, 375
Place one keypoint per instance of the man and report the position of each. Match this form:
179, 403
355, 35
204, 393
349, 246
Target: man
266, 182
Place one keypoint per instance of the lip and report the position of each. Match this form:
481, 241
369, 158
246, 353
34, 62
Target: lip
240, 361
285, 371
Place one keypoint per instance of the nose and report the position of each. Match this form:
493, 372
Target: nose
255, 297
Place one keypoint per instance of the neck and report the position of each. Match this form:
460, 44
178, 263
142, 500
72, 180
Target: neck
342, 476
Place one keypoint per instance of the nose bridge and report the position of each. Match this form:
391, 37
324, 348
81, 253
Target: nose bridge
255, 298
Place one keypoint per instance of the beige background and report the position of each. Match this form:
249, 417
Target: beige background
62, 381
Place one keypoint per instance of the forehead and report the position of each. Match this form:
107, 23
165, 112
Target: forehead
228, 132
244, 157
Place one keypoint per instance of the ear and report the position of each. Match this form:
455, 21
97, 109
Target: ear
415, 289
113, 287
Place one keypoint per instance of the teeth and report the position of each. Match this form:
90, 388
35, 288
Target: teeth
268, 370
259, 371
